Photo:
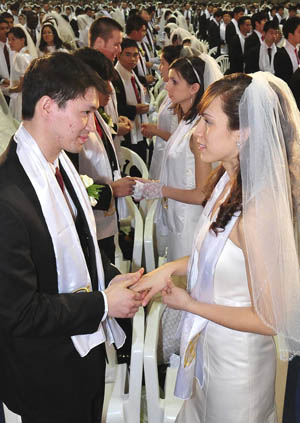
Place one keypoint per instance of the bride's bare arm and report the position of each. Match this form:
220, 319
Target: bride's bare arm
158, 279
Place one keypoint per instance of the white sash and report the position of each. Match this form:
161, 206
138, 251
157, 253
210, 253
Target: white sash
182, 132
206, 252
135, 133
72, 271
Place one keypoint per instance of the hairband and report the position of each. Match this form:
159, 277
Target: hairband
195, 72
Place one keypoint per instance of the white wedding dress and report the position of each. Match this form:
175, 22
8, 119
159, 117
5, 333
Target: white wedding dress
239, 368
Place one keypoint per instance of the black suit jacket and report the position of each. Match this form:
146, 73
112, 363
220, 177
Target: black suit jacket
283, 65
214, 38
251, 42
294, 84
42, 375
229, 32
236, 57
252, 59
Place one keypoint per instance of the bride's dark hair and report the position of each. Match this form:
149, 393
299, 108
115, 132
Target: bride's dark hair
230, 89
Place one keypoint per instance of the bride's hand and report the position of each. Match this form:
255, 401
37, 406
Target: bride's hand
177, 298
154, 282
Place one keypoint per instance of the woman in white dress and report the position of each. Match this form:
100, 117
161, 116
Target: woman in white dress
243, 274
18, 40
182, 174
167, 118
50, 40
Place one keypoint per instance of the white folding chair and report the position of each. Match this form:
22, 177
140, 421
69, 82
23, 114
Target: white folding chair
134, 160
223, 62
124, 406
152, 259
135, 221
212, 51
159, 409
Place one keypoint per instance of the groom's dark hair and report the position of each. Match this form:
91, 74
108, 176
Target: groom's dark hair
60, 76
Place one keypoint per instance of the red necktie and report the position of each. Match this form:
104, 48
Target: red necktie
59, 178
98, 127
296, 53
137, 94
6, 54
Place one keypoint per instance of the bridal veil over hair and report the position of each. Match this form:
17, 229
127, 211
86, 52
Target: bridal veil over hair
270, 170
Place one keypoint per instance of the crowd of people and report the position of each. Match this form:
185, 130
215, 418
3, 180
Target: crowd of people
222, 145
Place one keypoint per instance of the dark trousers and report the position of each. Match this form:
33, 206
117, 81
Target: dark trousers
90, 412
291, 411
108, 246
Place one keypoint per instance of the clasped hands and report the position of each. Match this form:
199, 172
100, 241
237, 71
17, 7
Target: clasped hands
126, 293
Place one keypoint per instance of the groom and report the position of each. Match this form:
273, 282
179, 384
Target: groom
55, 314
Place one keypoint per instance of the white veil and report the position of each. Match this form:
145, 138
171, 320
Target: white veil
30, 44
63, 28
270, 170
212, 71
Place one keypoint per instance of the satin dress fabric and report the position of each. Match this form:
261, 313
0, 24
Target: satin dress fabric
239, 367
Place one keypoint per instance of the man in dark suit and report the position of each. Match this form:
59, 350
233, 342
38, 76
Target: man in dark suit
237, 44
105, 36
258, 21
286, 60
214, 38
232, 27
51, 275
261, 57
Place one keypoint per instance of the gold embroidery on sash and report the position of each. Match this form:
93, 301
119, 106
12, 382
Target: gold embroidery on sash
190, 353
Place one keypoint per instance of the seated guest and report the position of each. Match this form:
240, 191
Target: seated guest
286, 60
261, 57
236, 45
131, 96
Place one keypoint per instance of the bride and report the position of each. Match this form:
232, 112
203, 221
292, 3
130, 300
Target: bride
243, 274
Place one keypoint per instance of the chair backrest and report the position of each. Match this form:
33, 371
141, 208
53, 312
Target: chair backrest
125, 407
213, 51
223, 62
134, 160
150, 261
159, 410
137, 223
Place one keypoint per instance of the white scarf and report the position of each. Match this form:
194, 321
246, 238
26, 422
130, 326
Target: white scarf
125, 76
93, 161
72, 271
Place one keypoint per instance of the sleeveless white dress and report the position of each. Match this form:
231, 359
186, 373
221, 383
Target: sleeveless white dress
239, 368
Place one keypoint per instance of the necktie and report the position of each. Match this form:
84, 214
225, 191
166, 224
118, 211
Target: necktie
6, 54
296, 53
137, 94
59, 178
98, 128
270, 54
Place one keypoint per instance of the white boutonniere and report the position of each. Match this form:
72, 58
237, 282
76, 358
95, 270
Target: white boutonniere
141, 51
92, 189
